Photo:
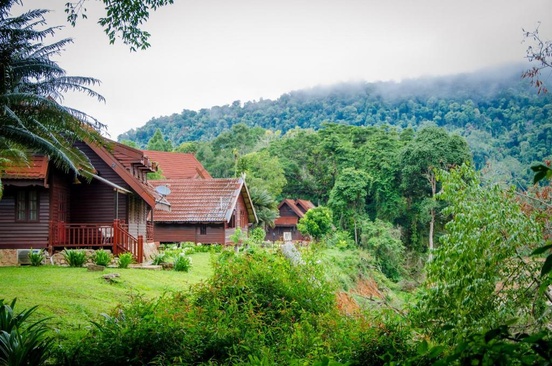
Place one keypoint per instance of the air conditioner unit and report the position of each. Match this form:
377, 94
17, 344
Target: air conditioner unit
23, 255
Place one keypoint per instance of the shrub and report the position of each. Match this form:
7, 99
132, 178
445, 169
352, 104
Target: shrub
159, 259
257, 235
125, 260
383, 241
74, 257
102, 257
182, 263
22, 342
36, 257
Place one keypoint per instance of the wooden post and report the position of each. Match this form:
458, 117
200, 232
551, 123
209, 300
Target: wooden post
140, 251
116, 236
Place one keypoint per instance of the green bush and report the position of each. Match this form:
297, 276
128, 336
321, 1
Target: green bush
102, 257
36, 257
75, 257
383, 241
182, 263
256, 306
125, 260
22, 342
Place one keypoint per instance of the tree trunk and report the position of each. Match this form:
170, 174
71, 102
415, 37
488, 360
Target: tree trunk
433, 181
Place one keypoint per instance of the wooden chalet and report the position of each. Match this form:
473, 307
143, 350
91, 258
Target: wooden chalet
203, 210
290, 213
45, 207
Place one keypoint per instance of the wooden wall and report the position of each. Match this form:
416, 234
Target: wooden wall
95, 201
23, 235
176, 233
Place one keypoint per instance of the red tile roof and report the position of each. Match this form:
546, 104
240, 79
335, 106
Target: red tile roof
202, 200
36, 169
174, 165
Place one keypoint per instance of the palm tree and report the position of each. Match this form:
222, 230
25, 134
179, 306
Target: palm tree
265, 206
31, 92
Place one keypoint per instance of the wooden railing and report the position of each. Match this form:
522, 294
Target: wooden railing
81, 235
124, 242
113, 235
149, 231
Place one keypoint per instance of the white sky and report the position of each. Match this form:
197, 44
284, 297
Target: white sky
213, 52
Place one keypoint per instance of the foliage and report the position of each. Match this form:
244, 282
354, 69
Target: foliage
263, 171
497, 113
237, 236
31, 88
384, 243
255, 306
182, 263
257, 235
159, 143
102, 257
22, 341
316, 223
339, 239
123, 19
125, 259
348, 197
265, 206
539, 51
75, 257
481, 275
36, 257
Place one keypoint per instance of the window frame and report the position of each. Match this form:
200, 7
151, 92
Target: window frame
203, 229
27, 205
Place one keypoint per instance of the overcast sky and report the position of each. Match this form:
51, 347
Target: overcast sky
213, 52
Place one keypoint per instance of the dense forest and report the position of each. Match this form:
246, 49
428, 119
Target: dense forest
507, 125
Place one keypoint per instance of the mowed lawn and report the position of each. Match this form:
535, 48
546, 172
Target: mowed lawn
75, 296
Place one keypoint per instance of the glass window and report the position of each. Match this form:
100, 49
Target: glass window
26, 205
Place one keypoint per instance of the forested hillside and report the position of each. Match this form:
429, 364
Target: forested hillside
506, 124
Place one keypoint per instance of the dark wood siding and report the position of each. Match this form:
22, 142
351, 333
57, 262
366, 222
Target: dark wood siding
286, 211
176, 233
59, 197
23, 235
95, 201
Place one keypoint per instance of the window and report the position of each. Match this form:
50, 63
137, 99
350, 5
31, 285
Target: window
26, 206
203, 230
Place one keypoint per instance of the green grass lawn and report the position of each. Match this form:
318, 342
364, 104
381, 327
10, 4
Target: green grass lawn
74, 296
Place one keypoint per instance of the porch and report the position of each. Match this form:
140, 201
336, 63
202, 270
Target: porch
113, 235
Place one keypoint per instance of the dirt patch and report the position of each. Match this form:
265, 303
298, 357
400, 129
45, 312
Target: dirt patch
365, 287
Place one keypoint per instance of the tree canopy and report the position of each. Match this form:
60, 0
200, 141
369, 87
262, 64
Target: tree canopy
32, 118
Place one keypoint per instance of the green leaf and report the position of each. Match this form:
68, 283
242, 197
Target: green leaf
541, 172
547, 266
541, 249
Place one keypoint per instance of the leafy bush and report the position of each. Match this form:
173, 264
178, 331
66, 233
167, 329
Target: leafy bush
159, 259
256, 306
102, 257
75, 257
182, 263
317, 222
125, 260
22, 342
36, 257
339, 239
384, 243
257, 235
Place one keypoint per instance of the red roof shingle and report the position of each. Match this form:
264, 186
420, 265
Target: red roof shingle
174, 165
36, 169
200, 200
